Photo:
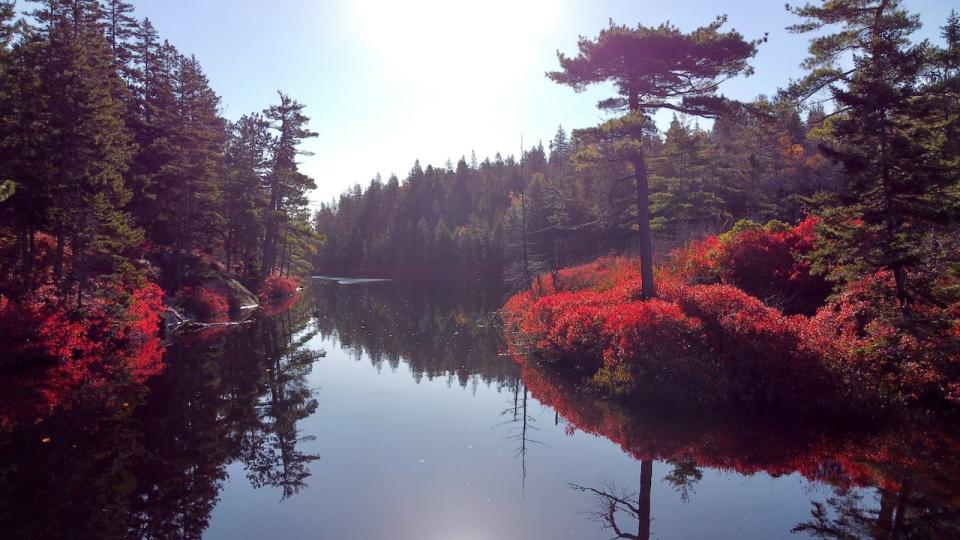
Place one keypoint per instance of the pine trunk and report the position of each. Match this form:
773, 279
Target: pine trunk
643, 227
648, 289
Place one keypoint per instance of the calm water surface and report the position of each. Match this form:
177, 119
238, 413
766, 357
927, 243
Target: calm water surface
369, 410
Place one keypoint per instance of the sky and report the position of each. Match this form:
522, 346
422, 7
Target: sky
387, 82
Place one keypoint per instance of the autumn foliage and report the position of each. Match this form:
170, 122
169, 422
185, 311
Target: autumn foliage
739, 320
768, 262
49, 325
113, 337
207, 302
276, 287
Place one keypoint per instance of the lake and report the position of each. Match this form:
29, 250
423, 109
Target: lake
370, 410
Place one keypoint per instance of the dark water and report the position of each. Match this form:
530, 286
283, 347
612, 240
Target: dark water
415, 425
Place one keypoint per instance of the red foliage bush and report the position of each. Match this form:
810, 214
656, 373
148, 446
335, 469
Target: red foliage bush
49, 325
111, 339
717, 334
277, 286
146, 305
767, 262
765, 356
696, 345
905, 356
205, 302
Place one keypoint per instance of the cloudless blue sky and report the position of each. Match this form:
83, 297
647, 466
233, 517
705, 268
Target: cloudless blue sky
387, 82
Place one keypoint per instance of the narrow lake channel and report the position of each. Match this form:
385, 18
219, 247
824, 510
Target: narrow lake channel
370, 410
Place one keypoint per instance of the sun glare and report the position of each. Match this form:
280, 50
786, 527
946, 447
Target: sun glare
443, 37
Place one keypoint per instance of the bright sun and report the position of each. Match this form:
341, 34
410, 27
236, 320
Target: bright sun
449, 37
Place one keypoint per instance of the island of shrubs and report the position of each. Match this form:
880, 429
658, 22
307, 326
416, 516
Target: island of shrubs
740, 320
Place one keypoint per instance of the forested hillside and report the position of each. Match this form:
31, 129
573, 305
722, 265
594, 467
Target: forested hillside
119, 172
119, 162
509, 218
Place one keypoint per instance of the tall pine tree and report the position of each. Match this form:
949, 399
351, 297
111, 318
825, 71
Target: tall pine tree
653, 68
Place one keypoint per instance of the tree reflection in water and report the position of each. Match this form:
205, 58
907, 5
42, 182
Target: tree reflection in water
135, 461
521, 425
124, 459
436, 335
910, 467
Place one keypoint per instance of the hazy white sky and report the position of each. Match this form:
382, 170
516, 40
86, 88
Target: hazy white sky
387, 82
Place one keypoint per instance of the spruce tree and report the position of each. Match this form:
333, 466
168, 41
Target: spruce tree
187, 186
7, 14
884, 138
90, 144
121, 25
24, 143
286, 185
461, 201
152, 120
247, 162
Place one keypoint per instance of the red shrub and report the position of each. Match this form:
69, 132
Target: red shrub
767, 262
206, 303
716, 333
146, 306
651, 332
277, 286
111, 339
764, 355
904, 356
564, 325
656, 351
16, 330
696, 262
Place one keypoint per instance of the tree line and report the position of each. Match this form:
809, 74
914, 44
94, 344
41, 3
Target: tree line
118, 165
866, 140
510, 219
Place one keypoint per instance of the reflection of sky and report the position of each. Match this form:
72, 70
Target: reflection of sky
436, 79
407, 460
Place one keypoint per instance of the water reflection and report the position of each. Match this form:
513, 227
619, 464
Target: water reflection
894, 481
237, 413
613, 502
436, 335
150, 461
521, 426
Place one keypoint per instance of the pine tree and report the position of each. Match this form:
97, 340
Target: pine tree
682, 196
560, 152
943, 92
7, 14
153, 123
461, 201
121, 27
24, 142
654, 68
